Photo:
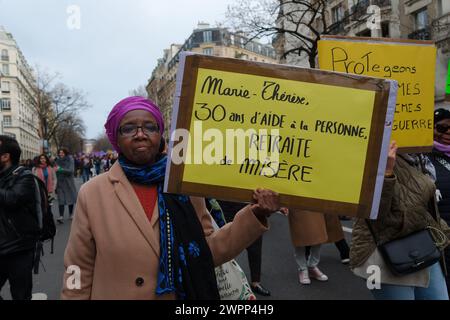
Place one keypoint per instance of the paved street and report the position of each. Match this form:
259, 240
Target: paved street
278, 268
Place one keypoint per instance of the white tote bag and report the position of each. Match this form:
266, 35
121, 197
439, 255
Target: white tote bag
231, 280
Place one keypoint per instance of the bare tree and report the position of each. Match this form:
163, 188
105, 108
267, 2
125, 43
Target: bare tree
302, 20
57, 106
70, 133
102, 143
139, 91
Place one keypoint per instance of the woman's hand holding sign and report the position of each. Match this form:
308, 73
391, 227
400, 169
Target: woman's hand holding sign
266, 202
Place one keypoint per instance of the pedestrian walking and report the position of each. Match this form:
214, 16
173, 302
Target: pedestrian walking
66, 191
86, 168
47, 173
440, 158
132, 241
254, 251
97, 165
19, 229
311, 229
407, 206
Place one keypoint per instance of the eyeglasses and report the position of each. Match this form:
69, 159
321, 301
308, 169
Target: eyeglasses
442, 128
130, 130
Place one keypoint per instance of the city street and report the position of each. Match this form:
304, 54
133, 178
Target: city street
278, 268
337, 107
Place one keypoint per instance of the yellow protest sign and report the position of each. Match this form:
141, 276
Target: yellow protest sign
313, 136
411, 63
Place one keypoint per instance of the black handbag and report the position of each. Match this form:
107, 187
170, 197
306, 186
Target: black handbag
409, 254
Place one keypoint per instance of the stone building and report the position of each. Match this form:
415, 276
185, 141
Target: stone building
18, 115
207, 40
402, 19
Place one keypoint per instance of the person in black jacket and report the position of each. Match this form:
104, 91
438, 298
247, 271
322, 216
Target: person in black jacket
19, 227
440, 158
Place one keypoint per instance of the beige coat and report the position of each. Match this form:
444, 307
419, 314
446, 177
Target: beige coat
116, 247
309, 228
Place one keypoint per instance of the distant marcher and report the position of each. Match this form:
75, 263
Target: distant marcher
97, 165
66, 190
87, 166
19, 229
47, 173
312, 229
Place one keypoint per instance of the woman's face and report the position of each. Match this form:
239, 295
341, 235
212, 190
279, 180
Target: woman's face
439, 135
138, 146
61, 154
42, 160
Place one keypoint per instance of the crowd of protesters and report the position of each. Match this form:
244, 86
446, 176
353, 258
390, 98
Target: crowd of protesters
175, 244
86, 166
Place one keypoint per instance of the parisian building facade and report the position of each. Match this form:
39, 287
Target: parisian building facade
18, 116
207, 40
401, 19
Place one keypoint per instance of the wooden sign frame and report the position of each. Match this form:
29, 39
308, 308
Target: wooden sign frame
183, 110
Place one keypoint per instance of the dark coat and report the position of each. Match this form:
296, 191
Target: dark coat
65, 189
18, 222
442, 165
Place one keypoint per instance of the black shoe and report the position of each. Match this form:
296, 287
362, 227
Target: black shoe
259, 289
60, 220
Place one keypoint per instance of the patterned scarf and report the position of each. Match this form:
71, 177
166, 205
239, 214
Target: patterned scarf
185, 262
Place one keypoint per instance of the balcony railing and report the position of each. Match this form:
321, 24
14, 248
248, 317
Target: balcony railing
5, 58
359, 10
421, 34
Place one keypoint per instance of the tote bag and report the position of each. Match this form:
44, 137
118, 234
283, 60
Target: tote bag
231, 280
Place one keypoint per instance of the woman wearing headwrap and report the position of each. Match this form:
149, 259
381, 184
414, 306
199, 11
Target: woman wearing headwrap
132, 241
440, 157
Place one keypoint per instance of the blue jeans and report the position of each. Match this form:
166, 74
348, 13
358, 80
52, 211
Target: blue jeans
437, 290
86, 174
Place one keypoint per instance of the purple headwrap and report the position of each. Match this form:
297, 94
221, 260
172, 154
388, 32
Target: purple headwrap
123, 107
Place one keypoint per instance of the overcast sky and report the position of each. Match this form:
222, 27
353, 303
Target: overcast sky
116, 47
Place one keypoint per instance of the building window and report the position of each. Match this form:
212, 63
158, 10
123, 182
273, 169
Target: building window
207, 36
232, 39
5, 69
421, 19
208, 51
337, 13
7, 121
5, 87
385, 30
5, 56
5, 104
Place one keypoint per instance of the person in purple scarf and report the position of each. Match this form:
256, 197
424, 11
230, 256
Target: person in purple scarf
440, 158
130, 240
